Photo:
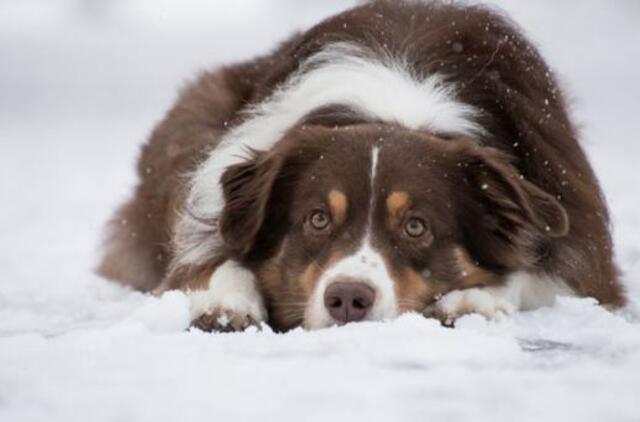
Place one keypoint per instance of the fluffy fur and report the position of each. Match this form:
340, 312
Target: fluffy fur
421, 149
375, 85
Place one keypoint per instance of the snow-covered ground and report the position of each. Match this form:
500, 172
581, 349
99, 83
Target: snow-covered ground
81, 84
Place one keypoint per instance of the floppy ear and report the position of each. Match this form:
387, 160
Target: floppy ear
247, 188
516, 214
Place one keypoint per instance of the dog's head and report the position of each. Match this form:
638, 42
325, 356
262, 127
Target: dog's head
364, 222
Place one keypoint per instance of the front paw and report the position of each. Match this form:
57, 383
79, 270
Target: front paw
231, 301
487, 302
231, 312
225, 320
436, 311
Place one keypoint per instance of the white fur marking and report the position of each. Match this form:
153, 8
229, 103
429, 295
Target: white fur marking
376, 85
365, 265
375, 152
232, 288
522, 291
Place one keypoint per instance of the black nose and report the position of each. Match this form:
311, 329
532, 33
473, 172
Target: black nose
348, 301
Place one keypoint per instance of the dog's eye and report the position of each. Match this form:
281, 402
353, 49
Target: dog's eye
319, 220
414, 227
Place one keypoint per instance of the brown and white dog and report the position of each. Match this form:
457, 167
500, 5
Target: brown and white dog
401, 156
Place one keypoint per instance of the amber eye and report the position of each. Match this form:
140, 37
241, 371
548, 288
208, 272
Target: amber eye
414, 227
319, 220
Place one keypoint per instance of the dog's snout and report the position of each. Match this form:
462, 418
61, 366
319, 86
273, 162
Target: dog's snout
348, 301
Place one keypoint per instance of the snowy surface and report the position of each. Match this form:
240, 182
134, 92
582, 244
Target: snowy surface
81, 84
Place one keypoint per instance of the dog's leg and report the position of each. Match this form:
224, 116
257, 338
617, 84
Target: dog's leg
230, 302
521, 291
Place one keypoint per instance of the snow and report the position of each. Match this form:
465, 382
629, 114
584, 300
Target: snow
83, 81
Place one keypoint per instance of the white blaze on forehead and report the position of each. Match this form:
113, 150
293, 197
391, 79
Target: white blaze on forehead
375, 152
376, 85
365, 265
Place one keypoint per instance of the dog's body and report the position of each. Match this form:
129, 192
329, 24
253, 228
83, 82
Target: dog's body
397, 157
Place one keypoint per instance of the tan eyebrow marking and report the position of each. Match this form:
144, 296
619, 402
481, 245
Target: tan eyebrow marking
338, 203
397, 202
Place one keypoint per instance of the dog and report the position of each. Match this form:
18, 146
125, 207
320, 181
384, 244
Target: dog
398, 157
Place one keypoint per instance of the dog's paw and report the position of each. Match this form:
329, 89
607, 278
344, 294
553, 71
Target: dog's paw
231, 302
453, 305
231, 312
226, 320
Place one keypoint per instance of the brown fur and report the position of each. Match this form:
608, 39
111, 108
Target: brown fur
521, 197
412, 292
471, 274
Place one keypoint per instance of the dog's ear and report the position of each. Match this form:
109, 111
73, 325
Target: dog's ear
515, 214
247, 188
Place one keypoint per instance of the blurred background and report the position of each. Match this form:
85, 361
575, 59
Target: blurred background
82, 82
